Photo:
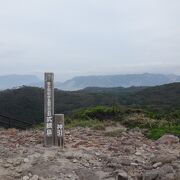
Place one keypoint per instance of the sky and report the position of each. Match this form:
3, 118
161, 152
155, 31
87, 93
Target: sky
89, 37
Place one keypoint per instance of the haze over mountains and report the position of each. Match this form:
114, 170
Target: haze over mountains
81, 82
15, 80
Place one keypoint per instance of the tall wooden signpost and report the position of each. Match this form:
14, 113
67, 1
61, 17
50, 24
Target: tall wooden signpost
54, 123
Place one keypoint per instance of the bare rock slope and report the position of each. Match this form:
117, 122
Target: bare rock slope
88, 155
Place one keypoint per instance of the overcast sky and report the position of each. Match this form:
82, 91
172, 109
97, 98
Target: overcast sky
85, 37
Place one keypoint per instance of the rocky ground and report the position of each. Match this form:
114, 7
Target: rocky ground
88, 155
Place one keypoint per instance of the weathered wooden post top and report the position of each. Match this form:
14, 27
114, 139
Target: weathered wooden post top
54, 124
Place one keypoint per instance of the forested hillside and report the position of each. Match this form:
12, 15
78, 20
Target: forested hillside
26, 103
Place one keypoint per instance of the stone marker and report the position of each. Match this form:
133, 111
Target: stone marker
49, 109
59, 130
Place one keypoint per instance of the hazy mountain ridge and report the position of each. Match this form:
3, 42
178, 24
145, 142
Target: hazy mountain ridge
81, 82
16, 80
119, 81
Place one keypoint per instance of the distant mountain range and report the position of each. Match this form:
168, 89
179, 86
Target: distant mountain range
119, 81
14, 80
82, 82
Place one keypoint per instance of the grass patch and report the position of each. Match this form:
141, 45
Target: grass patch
156, 133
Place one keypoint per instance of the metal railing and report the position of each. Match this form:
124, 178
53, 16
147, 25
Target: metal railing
9, 122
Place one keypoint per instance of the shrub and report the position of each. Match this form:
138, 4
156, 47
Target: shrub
98, 112
138, 120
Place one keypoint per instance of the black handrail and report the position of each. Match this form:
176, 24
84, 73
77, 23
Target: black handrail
13, 122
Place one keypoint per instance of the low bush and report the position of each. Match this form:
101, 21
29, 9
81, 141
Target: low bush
99, 112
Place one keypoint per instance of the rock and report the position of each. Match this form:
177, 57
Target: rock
75, 160
168, 140
124, 161
6, 165
122, 175
164, 158
166, 169
176, 165
177, 176
51, 158
35, 177
169, 176
25, 178
17, 145
114, 165
12, 168
150, 175
19, 170
41, 178
157, 164
69, 157
134, 164
30, 174
10, 161
17, 175
138, 153
69, 176
34, 162
26, 160
86, 174
128, 149
16, 162
25, 151
158, 173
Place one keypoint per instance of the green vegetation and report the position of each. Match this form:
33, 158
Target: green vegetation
104, 113
98, 112
131, 118
39, 126
26, 103
155, 133
155, 109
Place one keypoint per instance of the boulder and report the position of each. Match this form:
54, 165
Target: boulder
164, 158
165, 172
168, 140
25, 178
122, 175
169, 176
35, 177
